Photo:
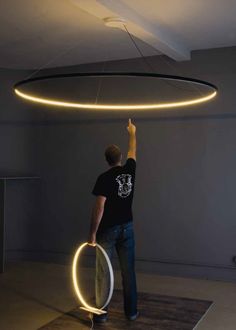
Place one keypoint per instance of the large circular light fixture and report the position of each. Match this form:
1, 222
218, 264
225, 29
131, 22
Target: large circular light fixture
85, 305
21, 90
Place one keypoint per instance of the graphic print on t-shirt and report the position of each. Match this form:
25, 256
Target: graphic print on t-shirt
125, 185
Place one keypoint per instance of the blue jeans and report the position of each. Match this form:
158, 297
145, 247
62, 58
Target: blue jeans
121, 238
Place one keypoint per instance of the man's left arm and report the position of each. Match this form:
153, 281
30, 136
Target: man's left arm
97, 214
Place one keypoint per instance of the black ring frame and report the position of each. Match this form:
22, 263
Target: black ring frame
116, 74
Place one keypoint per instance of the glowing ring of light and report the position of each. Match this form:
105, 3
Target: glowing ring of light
54, 102
76, 285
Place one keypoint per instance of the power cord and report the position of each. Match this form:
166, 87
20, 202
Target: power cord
91, 318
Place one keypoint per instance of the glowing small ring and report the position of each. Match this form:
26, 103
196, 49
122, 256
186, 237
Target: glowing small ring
55, 102
76, 285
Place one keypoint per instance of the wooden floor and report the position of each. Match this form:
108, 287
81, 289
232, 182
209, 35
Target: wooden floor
34, 294
157, 312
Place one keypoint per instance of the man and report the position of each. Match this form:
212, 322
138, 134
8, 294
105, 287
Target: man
112, 224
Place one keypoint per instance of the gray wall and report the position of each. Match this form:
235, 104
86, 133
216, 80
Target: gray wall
184, 202
18, 152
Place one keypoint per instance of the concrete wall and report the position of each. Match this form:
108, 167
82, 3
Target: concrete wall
18, 152
184, 202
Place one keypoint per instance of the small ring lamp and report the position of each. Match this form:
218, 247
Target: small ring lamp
85, 305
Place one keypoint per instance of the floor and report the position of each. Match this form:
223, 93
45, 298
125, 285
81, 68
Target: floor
32, 294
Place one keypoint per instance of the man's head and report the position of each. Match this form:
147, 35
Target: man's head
113, 155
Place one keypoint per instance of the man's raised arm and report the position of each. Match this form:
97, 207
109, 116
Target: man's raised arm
132, 140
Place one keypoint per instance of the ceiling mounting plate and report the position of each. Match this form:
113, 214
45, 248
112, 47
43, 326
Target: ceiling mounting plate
115, 22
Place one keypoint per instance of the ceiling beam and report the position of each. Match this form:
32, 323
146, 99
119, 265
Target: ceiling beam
153, 34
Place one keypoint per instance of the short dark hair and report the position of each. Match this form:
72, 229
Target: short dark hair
113, 155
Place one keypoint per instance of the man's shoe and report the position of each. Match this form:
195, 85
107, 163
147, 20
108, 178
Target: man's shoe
99, 318
133, 317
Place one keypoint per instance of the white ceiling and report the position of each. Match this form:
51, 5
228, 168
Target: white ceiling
36, 32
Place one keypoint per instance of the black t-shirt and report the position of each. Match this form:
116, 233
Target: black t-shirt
117, 185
